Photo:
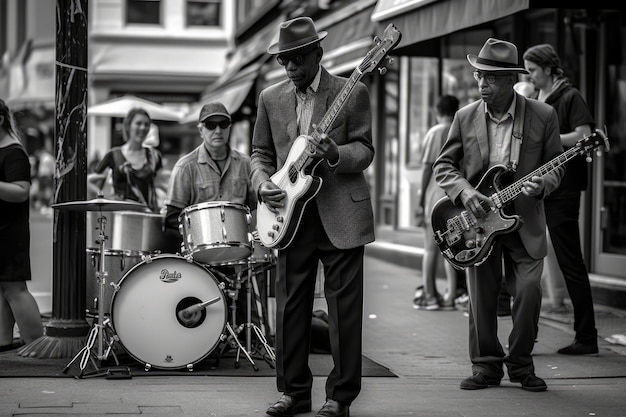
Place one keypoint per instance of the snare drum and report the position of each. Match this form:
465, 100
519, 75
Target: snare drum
216, 233
147, 312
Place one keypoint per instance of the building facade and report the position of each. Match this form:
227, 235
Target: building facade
437, 36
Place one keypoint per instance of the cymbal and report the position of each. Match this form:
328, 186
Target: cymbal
100, 204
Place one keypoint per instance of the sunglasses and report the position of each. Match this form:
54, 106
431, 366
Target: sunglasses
224, 124
490, 78
297, 59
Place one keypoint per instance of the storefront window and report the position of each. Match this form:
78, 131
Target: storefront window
613, 211
422, 87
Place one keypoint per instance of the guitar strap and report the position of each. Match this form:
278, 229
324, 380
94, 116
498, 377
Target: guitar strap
518, 132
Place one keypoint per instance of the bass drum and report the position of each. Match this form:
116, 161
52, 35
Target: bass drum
148, 312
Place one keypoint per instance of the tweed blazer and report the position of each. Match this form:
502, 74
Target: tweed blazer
343, 202
464, 159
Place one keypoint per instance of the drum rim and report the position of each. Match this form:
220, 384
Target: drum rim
122, 252
188, 260
208, 204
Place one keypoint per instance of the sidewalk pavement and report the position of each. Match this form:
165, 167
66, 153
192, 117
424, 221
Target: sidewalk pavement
427, 350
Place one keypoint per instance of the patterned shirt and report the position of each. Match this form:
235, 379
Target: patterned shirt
304, 104
196, 178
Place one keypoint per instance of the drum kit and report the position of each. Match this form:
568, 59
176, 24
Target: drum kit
170, 311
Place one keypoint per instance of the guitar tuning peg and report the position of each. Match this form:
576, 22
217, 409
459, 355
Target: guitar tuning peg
588, 157
376, 39
382, 70
390, 60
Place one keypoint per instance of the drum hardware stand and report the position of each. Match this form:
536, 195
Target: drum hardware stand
100, 325
251, 285
233, 338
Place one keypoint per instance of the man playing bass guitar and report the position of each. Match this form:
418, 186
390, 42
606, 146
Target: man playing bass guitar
502, 128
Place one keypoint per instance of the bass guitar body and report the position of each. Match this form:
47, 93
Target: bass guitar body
465, 240
278, 229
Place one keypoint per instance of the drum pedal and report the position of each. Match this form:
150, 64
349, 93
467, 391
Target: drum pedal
120, 372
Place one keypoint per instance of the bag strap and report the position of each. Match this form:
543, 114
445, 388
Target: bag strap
518, 132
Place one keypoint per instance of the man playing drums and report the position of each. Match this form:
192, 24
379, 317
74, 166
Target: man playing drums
212, 172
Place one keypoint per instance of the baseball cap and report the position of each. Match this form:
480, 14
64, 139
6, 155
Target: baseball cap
213, 109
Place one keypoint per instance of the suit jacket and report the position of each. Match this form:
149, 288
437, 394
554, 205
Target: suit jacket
464, 159
343, 202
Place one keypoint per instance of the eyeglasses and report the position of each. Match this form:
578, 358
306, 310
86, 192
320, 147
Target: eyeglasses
490, 78
224, 124
297, 59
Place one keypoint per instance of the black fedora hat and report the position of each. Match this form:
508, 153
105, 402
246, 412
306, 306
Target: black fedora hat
496, 55
295, 34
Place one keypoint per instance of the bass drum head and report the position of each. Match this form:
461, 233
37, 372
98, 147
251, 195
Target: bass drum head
146, 312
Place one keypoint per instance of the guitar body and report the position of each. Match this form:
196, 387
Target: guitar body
464, 240
278, 230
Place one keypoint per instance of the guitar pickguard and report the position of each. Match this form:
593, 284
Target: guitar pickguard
465, 240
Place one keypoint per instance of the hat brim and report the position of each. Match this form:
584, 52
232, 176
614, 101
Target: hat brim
275, 50
494, 68
215, 114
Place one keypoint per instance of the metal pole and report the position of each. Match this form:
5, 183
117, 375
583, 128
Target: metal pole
64, 334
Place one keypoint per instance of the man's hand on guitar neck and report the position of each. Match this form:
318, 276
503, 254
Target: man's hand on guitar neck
475, 202
272, 196
534, 187
326, 148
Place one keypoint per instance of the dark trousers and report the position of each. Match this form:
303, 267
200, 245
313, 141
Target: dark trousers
562, 216
523, 280
295, 291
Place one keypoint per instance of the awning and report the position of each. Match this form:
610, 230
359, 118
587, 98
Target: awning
421, 20
120, 106
31, 79
231, 95
350, 36
249, 51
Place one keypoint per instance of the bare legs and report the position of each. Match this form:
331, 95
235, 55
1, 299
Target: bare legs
17, 305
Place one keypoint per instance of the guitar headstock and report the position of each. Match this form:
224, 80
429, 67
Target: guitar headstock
377, 56
598, 139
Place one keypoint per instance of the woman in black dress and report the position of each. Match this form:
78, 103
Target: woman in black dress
17, 305
133, 166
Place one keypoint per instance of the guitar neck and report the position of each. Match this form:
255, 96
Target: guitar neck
513, 191
330, 116
338, 103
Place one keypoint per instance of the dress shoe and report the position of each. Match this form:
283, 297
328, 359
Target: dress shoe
333, 408
579, 348
287, 406
479, 381
530, 382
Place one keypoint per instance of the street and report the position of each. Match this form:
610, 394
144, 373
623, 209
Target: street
426, 350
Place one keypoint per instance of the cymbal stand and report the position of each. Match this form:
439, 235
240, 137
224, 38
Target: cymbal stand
233, 339
100, 325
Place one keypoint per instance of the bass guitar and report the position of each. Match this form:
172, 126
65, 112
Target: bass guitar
296, 176
465, 240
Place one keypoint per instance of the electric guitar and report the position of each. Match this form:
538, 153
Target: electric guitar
296, 176
465, 240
